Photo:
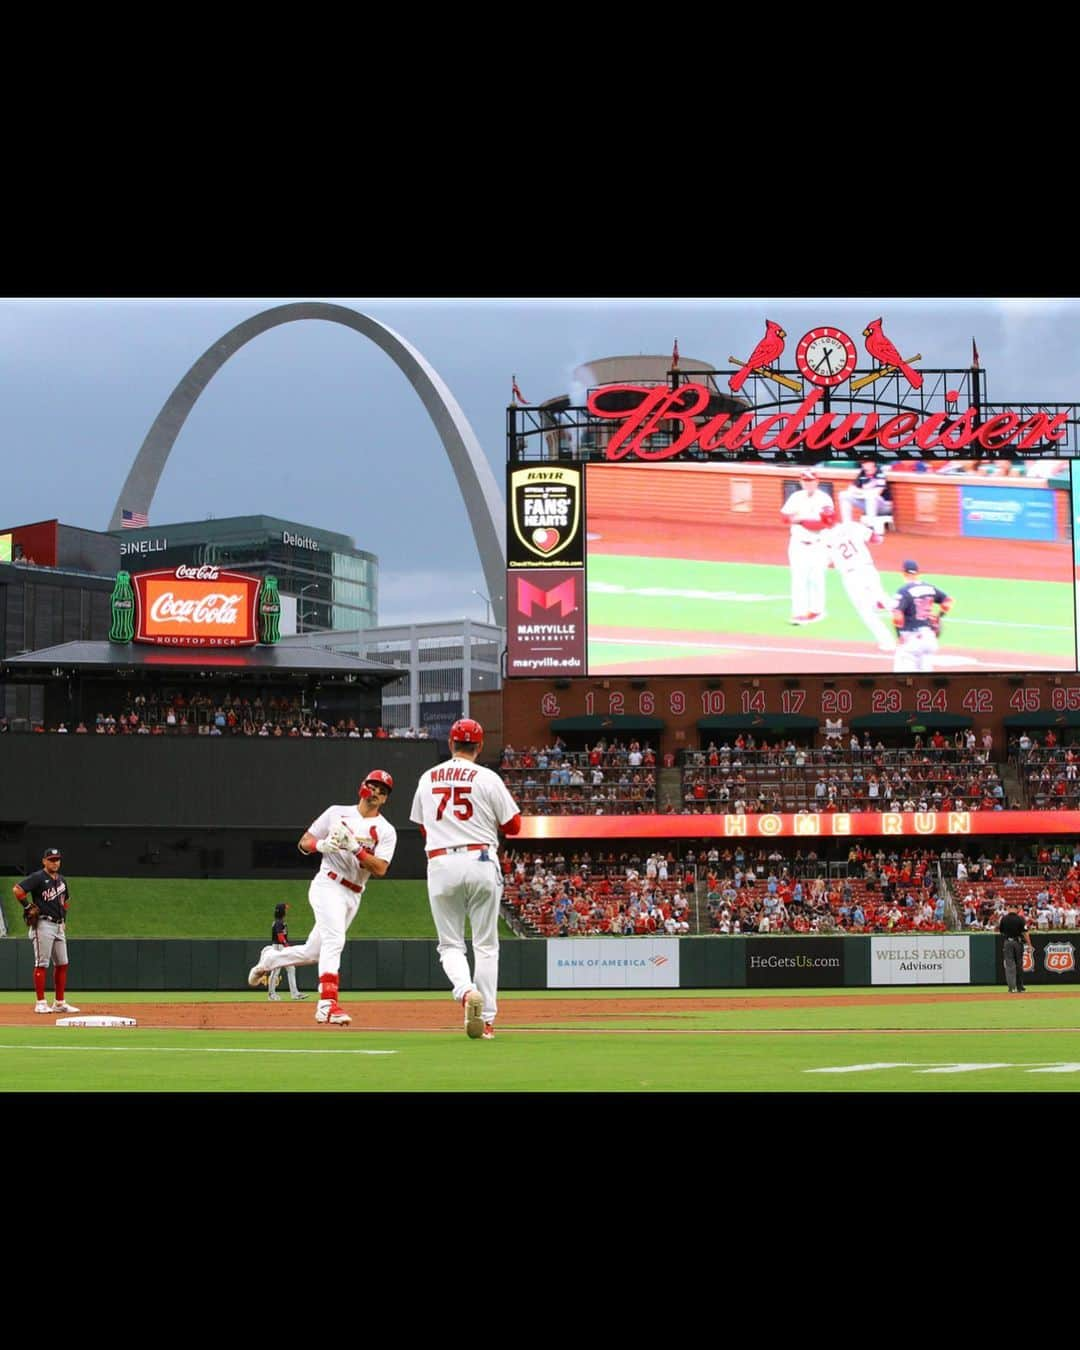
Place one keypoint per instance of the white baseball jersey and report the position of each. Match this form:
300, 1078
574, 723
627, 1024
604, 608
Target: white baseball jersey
803, 505
848, 547
459, 802
374, 831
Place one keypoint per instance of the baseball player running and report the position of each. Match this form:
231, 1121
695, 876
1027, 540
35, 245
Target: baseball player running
848, 551
914, 617
866, 490
44, 898
356, 843
279, 937
460, 807
808, 511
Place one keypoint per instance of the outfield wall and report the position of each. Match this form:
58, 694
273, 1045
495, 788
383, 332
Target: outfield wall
192, 807
175, 964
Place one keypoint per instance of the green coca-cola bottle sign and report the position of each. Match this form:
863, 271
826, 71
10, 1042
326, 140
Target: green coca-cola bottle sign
269, 610
123, 609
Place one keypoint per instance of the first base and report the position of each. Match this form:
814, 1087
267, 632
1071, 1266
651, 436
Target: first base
95, 1022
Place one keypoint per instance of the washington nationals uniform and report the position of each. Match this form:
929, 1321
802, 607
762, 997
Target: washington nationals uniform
808, 511
461, 806
48, 890
869, 484
852, 559
279, 937
913, 608
356, 842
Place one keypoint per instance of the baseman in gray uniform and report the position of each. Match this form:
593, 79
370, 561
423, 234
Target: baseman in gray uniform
44, 898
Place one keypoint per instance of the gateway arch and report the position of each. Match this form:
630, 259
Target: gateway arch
475, 479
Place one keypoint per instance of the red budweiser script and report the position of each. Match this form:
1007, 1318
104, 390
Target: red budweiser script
787, 431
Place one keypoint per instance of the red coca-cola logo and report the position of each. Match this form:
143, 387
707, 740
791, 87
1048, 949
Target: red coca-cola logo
659, 408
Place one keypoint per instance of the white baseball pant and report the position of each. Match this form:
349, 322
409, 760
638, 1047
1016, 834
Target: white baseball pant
915, 648
462, 886
807, 559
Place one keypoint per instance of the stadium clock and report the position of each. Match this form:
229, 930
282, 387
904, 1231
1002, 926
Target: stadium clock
825, 356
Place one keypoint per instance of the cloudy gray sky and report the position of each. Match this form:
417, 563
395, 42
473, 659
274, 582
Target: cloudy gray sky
313, 423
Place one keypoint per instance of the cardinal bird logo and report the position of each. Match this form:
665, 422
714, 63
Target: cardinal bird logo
881, 349
763, 355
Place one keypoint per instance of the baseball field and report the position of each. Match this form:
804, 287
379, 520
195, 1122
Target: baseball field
657, 615
907, 1040
951, 1040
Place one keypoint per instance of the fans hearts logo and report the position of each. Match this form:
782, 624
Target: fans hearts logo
1059, 957
545, 516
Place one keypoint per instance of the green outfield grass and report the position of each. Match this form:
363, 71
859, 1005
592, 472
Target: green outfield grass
668, 594
1002, 1044
155, 907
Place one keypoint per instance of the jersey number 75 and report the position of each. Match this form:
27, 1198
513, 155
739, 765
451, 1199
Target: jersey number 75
462, 801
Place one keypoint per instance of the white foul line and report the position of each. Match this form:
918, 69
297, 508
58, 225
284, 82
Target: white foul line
189, 1050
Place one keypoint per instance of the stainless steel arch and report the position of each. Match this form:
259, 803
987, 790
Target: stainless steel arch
475, 479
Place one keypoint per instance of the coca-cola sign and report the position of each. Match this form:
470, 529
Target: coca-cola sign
195, 607
680, 412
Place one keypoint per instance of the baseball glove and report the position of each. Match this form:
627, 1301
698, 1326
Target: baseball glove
31, 914
341, 837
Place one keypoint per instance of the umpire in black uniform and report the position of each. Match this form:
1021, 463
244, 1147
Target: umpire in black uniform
1014, 931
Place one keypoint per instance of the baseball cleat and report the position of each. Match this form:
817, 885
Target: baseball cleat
299, 998
473, 1004
489, 1031
63, 1006
41, 1006
328, 1010
274, 998
800, 618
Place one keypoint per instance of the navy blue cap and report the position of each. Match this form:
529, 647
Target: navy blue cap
910, 565
51, 853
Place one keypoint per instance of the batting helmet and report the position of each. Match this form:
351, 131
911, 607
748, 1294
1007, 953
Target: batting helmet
467, 731
381, 777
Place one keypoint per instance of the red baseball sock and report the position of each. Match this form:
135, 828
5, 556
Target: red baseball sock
39, 983
328, 985
59, 982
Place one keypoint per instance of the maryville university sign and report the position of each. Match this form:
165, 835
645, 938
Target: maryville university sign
194, 607
825, 357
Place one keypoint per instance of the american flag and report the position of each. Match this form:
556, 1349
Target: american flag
133, 520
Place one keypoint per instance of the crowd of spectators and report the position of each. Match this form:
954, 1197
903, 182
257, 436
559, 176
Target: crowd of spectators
936, 774
608, 778
230, 715
1048, 769
586, 895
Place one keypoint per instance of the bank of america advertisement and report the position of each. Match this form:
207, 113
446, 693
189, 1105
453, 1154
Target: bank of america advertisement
926, 958
613, 963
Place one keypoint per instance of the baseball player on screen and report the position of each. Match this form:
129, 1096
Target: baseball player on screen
356, 843
461, 807
850, 556
914, 617
44, 897
808, 511
867, 489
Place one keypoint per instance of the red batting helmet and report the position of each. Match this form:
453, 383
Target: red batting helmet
381, 777
468, 731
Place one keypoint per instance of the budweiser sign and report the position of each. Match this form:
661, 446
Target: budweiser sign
679, 412
196, 607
